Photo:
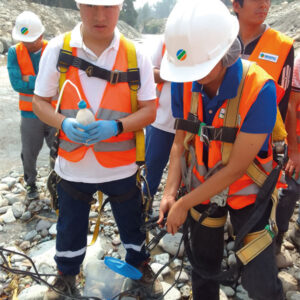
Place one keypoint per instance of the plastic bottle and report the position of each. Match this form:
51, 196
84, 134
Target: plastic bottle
84, 115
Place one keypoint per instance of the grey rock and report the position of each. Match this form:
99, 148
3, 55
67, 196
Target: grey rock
229, 291
181, 276
170, 243
116, 241
289, 283
230, 246
93, 214
53, 230
162, 258
12, 198
26, 216
44, 232
30, 235
35, 292
8, 217
43, 224
185, 291
18, 209
173, 294
231, 260
4, 187
10, 181
292, 295
3, 201
4, 209
222, 295
157, 266
25, 245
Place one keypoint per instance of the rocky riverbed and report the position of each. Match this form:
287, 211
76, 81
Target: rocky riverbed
30, 228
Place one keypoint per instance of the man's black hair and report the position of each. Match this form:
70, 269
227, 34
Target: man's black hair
241, 2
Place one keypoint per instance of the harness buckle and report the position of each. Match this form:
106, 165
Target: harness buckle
89, 71
114, 77
204, 133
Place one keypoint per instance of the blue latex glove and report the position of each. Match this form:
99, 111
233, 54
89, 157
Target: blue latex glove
101, 130
74, 130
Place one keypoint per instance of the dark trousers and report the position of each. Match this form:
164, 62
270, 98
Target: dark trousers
72, 225
259, 276
158, 147
33, 133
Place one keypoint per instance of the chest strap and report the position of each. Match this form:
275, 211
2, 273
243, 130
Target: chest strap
66, 59
209, 133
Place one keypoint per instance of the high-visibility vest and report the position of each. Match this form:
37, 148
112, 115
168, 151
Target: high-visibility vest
115, 104
26, 68
243, 191
270, 53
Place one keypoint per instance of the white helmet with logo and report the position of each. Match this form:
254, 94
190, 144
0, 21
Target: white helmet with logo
100, 2
28, 27
198, 34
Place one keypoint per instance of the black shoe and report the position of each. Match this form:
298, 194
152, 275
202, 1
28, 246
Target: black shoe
146, 288
66, 284
32, 192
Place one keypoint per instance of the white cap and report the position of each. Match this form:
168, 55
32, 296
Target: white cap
100, 2
28, 27
198, 34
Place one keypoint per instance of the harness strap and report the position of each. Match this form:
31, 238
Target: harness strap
76, 194
223, 134
208, 222
66, 59
255, 242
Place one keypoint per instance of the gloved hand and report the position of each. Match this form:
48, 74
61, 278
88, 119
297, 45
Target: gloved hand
74, 130
101, 130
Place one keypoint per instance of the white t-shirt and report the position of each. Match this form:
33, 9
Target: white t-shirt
88, 169
164, 118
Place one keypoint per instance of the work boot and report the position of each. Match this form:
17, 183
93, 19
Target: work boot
66, 284
32, 192
295, 235
149, 289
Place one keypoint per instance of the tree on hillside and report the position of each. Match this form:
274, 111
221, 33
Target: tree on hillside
128, 13
163, 8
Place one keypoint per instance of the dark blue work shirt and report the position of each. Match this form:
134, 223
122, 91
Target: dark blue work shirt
261, 116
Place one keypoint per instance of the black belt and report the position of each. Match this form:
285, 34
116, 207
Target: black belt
223, 134
66, 59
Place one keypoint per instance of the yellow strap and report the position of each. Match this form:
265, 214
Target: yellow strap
97, 226
255, 247
66, 46
231, 118
208, 222
139, 135
193, 110
279, 133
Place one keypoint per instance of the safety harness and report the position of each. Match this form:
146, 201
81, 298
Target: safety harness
254, 243
132, 76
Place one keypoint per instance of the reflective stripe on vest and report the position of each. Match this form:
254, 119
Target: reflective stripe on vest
118, 150
243, 191
26, 68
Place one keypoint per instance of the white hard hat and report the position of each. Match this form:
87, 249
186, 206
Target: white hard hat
198, 34
28, 27
100, 2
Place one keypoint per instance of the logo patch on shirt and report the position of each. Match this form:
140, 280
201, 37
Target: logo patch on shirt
222, 113
267, 56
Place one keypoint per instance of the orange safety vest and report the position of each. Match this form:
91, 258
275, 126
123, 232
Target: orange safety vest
115, 104
26, 68
159, 86
243, 191
271, 52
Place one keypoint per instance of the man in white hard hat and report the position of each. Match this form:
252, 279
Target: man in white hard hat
102, 156
23, 65
223, 128
274, 52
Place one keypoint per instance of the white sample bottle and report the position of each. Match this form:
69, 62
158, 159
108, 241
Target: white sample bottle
84, 115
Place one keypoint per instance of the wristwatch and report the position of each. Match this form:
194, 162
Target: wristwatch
120, 127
